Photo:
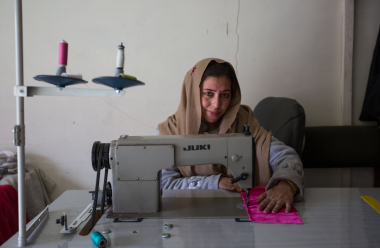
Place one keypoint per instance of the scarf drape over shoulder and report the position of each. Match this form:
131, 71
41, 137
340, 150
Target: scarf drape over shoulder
187, 120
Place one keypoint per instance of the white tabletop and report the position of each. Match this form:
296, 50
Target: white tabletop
333, 217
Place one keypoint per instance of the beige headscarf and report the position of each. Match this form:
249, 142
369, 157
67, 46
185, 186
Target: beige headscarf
187, 120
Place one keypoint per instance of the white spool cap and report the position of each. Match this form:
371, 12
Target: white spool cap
120, 56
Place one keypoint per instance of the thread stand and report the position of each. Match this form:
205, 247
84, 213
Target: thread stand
59, 81
117, 83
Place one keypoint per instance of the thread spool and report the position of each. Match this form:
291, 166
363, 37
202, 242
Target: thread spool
99, 239
63, 52
120, 57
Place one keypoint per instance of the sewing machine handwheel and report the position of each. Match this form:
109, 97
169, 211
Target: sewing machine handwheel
104, 156
94, 155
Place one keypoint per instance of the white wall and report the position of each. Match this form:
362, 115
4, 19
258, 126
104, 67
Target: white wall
366, 29
281, 48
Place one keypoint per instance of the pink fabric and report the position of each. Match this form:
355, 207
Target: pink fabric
8, 212
259, 216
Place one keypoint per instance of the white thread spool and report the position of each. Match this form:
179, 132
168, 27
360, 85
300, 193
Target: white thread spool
120, 57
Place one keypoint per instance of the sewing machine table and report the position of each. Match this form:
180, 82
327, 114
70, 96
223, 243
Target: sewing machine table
333, 217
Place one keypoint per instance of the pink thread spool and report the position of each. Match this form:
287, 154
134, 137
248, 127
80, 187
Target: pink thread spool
63, 51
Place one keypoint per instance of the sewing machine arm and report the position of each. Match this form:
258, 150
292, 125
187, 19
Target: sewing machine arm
136, 162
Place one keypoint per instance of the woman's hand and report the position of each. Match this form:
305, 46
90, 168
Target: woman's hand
225, 183
275, 198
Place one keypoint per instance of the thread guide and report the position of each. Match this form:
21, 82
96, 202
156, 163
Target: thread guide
117, 83
59, 81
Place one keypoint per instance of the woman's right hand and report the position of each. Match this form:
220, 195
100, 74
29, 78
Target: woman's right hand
225, 183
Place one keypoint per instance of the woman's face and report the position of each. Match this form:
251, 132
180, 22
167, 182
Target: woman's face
215, 98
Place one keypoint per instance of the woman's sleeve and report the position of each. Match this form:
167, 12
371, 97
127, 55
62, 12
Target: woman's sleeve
172, 179
286, 165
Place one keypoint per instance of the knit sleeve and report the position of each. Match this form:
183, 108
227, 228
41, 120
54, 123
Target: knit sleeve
172, 179
286, 165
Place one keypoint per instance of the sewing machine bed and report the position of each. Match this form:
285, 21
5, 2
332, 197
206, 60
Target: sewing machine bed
187, 204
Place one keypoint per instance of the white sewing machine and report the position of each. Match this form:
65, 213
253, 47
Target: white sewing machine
136, 162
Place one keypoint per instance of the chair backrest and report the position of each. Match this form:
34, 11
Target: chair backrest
286, 119
341, 147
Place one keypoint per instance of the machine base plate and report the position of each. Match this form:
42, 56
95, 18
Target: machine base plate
197, 207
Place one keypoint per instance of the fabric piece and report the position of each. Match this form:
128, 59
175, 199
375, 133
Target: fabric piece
35, 191
8, 213
187, 120
259, 216
8, 159
47, 184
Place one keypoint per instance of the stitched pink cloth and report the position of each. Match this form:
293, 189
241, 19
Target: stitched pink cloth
259, 216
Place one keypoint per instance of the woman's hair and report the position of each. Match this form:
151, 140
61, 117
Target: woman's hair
215, 69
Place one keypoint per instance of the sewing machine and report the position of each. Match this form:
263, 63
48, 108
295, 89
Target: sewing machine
201, 218
136, 162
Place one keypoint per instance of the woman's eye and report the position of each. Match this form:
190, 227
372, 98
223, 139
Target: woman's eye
225, 95
208, 94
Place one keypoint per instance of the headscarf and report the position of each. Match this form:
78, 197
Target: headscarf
187, 120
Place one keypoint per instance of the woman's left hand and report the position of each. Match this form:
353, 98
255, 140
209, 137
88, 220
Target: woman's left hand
275, 198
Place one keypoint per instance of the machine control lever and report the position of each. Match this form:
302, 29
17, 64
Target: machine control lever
63, 222
60, 221
243, 176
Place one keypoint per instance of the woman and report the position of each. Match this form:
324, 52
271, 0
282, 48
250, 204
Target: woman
210, 103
